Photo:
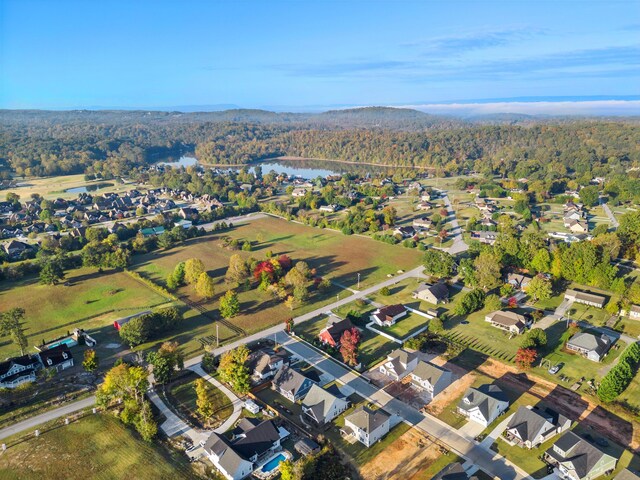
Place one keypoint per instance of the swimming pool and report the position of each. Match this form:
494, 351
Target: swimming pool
273, 463
70, 342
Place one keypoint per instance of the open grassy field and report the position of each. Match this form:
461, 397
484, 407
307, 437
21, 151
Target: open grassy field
92, 302
97, 447
54, 187
334, 256
182, 395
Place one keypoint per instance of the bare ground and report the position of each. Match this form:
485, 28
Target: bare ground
567, 402
409, 455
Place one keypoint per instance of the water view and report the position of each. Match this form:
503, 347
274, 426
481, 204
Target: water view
89, 188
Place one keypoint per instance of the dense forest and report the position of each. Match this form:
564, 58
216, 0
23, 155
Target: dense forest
115, 142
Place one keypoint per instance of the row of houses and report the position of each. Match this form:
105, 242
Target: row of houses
17, 371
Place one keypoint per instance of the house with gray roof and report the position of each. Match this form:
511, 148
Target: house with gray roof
366, 425
291, 384
252, 443
323, 405
437, 293
589, 345
483, 404
455, 471
18, 370
431, 378
530, 427
585, 298
399, 364
576, 459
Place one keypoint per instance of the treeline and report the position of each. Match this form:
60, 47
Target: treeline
112, 144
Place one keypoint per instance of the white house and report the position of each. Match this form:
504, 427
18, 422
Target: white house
18, 370
431, 378
399, 364
59, 358
506, 320
387, 316
253, 443
366, 425
323, 405
483, 404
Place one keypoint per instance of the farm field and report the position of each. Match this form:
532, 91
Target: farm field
92, 302
97, 446
54, 187
182, 396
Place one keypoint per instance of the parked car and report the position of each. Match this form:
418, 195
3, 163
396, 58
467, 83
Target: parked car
556, 368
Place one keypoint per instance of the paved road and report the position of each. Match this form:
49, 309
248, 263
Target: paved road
612, 217
461, 444
33, 422
270, 332
458, 243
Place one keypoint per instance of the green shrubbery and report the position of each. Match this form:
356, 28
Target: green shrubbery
616, 381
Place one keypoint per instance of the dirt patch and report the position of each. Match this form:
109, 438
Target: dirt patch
451, 393
408, 455
567, 402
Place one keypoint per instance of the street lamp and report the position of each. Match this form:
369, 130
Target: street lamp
358, 281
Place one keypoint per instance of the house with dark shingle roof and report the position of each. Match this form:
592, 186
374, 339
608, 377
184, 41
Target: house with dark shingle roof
18, 370
252, 443
58, 357
291, 384
323, 405
335, 328
366, 425
577, 459
530, 427
431, 378
483, 404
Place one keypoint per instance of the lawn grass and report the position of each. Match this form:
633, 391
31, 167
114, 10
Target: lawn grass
183, 397
98, 447
94, 300
405, 326
527, 459
575, 366
54, 187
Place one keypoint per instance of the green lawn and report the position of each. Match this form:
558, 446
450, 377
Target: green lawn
182, 395
628, 326
481, 336
372, 348
575, 366
528, 460
92, 302
405, 326
97, 447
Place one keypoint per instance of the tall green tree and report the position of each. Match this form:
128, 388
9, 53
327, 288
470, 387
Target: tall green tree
11, 323
229, 304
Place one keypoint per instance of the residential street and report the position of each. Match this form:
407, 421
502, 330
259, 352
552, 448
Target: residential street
459, 245
462, 445
614, 221
33, 422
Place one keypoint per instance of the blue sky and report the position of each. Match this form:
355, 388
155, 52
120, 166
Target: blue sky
61, 54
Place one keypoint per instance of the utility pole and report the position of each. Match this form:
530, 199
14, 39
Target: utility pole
358, 281
217, 336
